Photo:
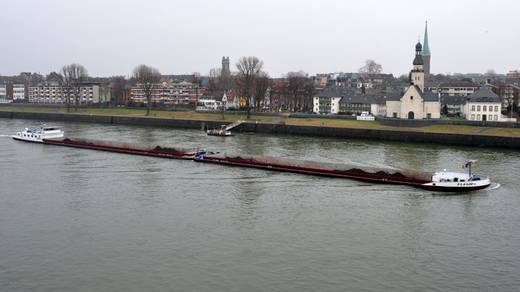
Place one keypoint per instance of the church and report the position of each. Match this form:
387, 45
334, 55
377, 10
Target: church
416, 102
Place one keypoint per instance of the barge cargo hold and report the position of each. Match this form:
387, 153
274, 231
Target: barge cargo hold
439, 181
127, 148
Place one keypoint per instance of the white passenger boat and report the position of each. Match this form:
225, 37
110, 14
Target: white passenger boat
219, 132
457, 181
38, 134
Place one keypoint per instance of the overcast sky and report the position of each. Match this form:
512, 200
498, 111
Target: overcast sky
111, 37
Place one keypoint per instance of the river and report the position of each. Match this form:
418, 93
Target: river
83, 220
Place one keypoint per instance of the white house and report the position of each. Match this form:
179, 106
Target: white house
484, 105
416, 103
327, 102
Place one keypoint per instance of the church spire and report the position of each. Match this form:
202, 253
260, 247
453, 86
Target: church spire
426, 47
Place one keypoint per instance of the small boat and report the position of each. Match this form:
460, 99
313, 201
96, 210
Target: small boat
38, 134
457, 181
219, 132
224, 130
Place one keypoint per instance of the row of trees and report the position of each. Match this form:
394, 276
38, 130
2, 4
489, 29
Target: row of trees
73, 76
295, 92
250, 82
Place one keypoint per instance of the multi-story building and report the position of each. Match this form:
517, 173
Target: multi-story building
458, 88
483, 105
18, 91
327, 102
89, 93
184, 92
3, 94
513, 76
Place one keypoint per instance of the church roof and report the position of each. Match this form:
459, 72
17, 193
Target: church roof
483, 95
426, 47
418, 60
427, 95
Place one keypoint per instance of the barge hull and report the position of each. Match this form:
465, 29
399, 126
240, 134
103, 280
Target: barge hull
105, 146
380, 177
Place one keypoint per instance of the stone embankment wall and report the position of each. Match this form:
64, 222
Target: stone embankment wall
272, 128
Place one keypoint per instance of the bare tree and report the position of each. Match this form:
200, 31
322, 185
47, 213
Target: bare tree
296, 87
147, 77
308, 92
371, 67
249, 68
73, 77
490, 75
262, 83
215, 78
117, 88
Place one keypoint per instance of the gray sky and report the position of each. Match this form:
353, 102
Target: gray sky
111, 37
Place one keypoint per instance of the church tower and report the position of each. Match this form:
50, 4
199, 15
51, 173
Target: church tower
426, 52
417, 73
225, 67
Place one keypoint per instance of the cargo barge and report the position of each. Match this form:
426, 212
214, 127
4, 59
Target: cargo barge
438, 181
127, 148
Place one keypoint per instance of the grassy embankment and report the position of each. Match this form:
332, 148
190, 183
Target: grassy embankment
319, 122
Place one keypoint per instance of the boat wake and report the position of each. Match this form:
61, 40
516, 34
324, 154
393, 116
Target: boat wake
493, 187
5, 135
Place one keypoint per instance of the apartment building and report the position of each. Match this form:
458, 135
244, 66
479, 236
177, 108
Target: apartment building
18, 91
3, 93
169, 93
89, 93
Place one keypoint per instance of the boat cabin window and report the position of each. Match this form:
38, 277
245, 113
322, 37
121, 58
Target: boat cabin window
456, 179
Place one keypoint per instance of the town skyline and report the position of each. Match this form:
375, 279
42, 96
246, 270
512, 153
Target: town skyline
191, 37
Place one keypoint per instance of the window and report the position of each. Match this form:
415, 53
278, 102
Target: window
428, 115
411, 97
473, 107
478, 108
484, 108
496, 108
394, 115
478, 117
496, 118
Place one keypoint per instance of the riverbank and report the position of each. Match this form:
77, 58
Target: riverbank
277, 124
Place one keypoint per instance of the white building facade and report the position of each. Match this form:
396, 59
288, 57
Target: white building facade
169, 93
55, 94
456, 88
18, 91
3, 93
326, 104
484, 105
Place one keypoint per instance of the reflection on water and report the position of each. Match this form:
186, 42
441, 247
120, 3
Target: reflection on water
75, 219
